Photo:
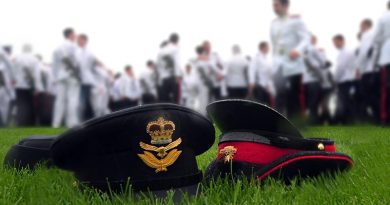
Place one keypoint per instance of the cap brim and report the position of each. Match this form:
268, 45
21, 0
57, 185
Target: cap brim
305, 164
30, 152
235, 115
298, 165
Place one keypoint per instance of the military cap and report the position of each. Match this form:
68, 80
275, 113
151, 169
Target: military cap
29, 152
151, 147
257, 141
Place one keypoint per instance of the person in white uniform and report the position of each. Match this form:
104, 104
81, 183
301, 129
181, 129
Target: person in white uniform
129, 89
289, 38
312, 78
328, 85
169, 71
190, 97
114, 92
100, 92
46, 98
382, 44
148, 81
202, 80
28, 85
88, 73
368, 72
260, 76
6, 68
345, 77
237, 74
66, 73
216, 72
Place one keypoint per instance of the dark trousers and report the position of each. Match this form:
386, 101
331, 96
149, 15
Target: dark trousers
370, 96
25, 115
2, 124
262, 95
114, 105
85, 103
216, 94
280, 100
385, 94
148, 98
295, 96
127, 103
346, 108
237, 93
44, 108
312, 101
169, 91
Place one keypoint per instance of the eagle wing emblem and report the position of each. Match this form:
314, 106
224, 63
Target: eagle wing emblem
160, 164
161, 151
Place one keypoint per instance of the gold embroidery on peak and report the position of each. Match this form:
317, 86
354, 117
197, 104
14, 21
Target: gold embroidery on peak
227, 153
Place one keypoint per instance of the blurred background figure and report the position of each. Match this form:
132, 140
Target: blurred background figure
328, 86
216, 72
6, 92
66, 70
261, 86
148, 81
45, 99
289, 39
169, 71
100, 92
346, 75
382, 44
191, 92
369, 75
324, 76
28, 85
201, 80
115, 97
88, 77
312, 78
129, 89
237, 74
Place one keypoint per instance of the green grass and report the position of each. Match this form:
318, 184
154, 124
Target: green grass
368, 182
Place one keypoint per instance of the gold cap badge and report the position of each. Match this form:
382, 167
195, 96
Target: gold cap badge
160, 132
321, 146
227, 153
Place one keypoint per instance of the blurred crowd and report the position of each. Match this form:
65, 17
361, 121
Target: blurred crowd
298, 82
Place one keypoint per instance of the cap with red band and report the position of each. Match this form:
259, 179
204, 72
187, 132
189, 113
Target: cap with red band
266, 144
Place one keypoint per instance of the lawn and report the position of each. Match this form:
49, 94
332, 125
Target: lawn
368, 182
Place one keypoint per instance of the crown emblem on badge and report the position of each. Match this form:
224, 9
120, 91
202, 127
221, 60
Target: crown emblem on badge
160, 131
